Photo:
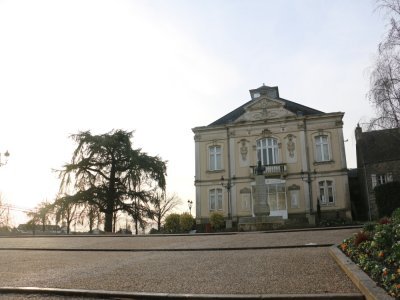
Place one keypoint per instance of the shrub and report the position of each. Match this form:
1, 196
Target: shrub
396, 215
217, 221
361, 237
153, 231
377, 252
186, 222
387, 197
172, 223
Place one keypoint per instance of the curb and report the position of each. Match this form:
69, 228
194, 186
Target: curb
139, 295
361, 280
168, 249
178, 234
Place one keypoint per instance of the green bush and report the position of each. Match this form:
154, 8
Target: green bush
217, 221
186, 222
172, 223
387, 197
396, 215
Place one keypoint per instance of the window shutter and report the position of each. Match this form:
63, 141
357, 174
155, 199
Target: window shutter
389, 177
373, 178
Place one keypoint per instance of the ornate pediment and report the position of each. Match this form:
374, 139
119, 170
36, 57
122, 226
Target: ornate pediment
264, 108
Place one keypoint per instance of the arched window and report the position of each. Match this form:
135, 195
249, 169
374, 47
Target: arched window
267, 151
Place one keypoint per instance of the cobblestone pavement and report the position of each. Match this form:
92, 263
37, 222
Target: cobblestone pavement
262, 271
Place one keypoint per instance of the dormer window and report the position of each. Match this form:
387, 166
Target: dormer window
256, 95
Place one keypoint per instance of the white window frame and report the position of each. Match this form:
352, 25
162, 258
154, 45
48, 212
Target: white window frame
269, 148
320, 144
326, 187
215, 199
215, 157
378, 179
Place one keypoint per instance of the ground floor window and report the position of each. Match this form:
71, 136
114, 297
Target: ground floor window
378, 179
326, 192
215, 199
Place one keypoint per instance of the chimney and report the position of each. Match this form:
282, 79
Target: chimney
358, 132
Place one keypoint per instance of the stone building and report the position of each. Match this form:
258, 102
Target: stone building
378, 162
300, 148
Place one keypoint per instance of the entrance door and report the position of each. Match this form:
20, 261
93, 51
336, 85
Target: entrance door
277, 198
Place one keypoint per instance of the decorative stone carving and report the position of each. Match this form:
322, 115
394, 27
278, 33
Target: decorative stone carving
243, 150
291, 146
266, 132
293, 187
245, 190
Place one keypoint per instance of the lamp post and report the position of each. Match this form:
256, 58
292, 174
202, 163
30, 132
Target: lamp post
190, 203
6, 154
228, 185
309, 177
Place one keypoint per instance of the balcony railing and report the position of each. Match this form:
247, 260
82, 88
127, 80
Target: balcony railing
272, 170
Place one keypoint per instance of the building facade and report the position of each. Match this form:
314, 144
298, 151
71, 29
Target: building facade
300, 148
378, 162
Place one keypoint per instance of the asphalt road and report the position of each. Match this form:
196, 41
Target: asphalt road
193, 268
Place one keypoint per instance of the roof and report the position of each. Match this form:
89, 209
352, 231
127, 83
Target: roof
271, 92
380, 145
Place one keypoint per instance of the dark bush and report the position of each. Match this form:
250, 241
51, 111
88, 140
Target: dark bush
387, 197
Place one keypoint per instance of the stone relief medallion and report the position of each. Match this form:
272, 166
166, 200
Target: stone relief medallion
291, 148
244, 151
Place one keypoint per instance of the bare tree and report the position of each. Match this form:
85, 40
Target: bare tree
66, 211
163, 205
5, 216
384, 91
42, 214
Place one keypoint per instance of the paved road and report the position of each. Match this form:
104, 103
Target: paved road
260, 271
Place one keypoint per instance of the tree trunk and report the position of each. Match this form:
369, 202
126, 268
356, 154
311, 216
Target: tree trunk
108, 222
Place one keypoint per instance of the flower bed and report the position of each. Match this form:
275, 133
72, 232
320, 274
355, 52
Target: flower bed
376, 250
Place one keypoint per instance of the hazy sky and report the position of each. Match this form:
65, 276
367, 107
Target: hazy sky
163, 67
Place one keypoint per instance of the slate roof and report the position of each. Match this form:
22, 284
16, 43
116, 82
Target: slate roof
380, 145
294, 107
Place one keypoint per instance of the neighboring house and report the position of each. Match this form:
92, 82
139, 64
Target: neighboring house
301, 148
378, 162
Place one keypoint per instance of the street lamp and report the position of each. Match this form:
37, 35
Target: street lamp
309, 177
228, 185
190, 203
6, 154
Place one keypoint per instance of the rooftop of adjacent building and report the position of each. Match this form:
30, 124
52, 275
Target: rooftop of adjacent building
378, 145
270, 92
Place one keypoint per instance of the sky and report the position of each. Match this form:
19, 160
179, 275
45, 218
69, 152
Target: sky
161, 68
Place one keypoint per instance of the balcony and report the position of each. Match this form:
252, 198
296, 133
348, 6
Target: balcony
275, 170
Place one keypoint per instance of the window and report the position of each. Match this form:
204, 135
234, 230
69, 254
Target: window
322, 148
326, 194
294, 199
215, 197
378, 179
267, 151
214, 153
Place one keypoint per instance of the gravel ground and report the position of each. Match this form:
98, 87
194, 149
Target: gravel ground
264, 271
296, 271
